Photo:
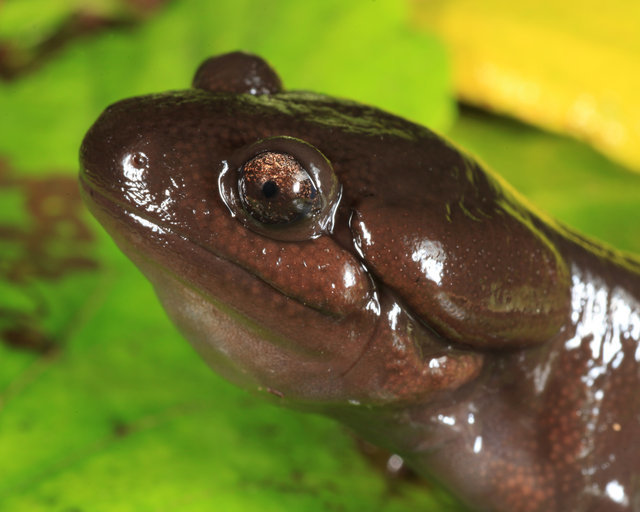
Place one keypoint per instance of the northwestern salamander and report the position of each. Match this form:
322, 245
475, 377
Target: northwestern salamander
349, 262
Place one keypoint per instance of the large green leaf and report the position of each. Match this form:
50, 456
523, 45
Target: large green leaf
564, 178
102, 405
126, 417
347, 49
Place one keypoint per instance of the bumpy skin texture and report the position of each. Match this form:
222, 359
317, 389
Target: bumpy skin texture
437, 315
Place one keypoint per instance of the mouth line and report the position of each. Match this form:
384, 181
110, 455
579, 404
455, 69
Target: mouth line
114, 207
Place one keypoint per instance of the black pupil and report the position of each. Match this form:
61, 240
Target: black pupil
269, 189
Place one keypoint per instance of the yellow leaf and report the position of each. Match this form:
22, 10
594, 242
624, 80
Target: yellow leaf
571, 66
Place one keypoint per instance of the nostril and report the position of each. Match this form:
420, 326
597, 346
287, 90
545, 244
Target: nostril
140, 160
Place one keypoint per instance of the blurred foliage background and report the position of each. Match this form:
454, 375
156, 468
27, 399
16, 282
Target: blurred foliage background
102, 405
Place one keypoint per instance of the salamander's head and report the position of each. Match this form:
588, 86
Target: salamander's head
316, 248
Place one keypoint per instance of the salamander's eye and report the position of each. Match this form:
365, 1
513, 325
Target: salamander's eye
275, 189
281, 187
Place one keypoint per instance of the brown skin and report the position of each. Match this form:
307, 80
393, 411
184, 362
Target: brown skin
415, 298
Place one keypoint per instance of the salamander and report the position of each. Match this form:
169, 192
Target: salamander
342, 260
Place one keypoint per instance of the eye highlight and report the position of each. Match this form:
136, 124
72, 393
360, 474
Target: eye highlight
281, 187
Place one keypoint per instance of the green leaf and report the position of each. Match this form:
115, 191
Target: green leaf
102, 405
336, 47
560, 176
126, 417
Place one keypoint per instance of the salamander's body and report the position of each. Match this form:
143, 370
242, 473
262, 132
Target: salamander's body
349, 262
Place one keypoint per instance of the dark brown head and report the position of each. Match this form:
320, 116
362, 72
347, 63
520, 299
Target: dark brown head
315, 247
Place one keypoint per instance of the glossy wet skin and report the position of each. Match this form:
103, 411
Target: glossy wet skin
342, 260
